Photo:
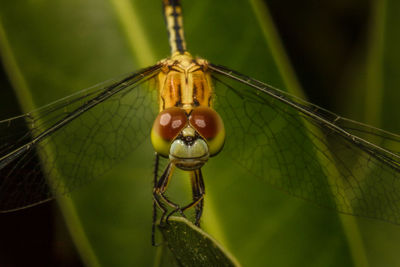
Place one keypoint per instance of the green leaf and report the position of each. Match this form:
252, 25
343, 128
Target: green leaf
193, 247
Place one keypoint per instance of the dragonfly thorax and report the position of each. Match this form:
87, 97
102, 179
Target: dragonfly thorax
184, 82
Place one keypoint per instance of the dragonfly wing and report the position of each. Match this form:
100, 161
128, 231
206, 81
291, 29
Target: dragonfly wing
66, 144
307, 151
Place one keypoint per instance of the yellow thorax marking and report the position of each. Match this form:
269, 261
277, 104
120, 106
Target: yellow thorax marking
184, 82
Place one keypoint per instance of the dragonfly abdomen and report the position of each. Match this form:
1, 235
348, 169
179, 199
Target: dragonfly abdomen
173, 19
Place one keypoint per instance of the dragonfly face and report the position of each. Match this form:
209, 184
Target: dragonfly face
187, 130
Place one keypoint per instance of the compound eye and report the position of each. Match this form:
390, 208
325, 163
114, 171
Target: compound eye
210, 126
167, 126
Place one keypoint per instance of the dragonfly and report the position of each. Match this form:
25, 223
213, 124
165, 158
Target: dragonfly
193, 110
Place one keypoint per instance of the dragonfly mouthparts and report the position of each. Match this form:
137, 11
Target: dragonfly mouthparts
189, 155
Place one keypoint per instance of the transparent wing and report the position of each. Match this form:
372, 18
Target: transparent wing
64, 145
307, 151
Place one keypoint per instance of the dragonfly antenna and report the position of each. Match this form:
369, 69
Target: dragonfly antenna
173, 19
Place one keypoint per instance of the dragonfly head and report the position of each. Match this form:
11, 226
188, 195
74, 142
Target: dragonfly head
188, 140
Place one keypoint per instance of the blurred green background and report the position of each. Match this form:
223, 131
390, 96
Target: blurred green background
343, 54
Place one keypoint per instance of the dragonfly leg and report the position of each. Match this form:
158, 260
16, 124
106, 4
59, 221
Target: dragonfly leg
153, 226
159, 189
198, 191
198, 194
160, 186
156, 203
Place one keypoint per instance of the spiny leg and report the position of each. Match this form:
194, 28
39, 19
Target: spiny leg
198, 193
160, 186
159, 189
155, 204
163, 184
198, 190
